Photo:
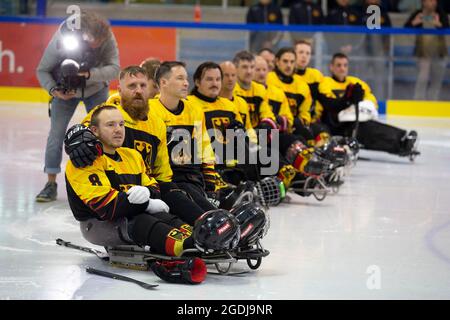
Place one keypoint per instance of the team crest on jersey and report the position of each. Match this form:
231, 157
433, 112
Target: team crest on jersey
145, 149
179, 145
316, 13
352, 18
220, 125
338, 93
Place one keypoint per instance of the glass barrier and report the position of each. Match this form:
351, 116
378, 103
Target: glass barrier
396, 63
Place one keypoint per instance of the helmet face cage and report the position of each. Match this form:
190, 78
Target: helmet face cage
272, 190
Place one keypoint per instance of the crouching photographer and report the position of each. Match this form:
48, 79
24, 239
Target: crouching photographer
77, 65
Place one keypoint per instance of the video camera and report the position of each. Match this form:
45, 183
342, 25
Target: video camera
77, 56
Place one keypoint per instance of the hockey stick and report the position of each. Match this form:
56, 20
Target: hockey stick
356, 127
120, 277
99, 254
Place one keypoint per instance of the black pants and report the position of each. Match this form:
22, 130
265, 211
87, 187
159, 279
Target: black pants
197, 194
160, 231
181, 204
374, 135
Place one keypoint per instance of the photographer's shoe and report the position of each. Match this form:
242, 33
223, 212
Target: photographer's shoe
49, 193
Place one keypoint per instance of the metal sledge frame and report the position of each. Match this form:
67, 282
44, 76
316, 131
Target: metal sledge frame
319, 188
140, 258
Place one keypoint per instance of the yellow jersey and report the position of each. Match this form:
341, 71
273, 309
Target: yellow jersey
242, 106
278, 101
297, 92
313, 77
331, 91
255, 97
148, 138
189, 144
99, 191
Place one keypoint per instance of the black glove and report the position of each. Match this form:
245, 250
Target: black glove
213, 180
354, 93
82, 146
189, 271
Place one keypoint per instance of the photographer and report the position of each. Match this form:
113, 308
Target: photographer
77, 65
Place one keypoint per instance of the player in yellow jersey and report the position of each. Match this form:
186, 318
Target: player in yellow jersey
313, 77
275, 97
116, 186
151, 65
145, 133
191, 156
115, 193
220, 113
227, 91
296, 91
225, 128
261, 116
340, 93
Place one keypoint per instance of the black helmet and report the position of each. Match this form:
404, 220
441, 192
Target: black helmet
232, 196
252, 220
216, 230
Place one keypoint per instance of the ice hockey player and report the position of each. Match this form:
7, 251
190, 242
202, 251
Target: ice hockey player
340, 93
144, 132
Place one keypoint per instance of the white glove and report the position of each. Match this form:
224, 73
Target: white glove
138, 194
156, 205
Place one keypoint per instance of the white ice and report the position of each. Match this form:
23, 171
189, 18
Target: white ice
385, 235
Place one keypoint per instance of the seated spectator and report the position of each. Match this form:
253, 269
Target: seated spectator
430, 50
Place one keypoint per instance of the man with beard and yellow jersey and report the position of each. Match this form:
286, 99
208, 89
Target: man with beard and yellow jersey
253, 93
144, 132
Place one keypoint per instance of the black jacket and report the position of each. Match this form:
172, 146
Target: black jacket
305, 13
264, 14
344, 16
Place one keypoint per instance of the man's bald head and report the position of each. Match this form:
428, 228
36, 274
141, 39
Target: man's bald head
229, 75
261, 70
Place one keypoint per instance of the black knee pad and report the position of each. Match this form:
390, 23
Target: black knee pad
142, 226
